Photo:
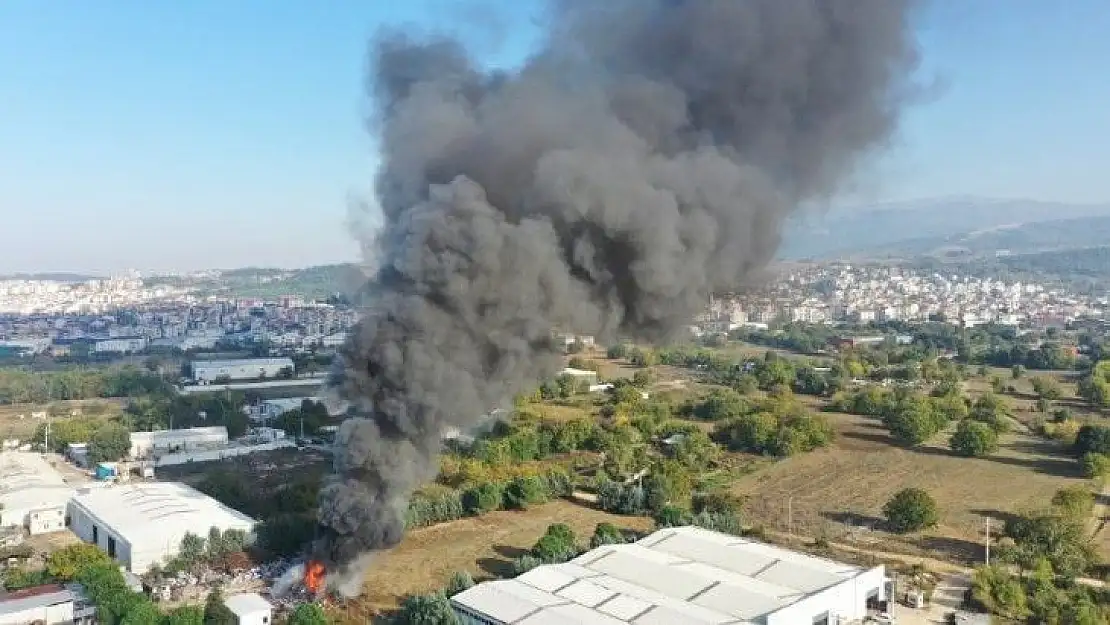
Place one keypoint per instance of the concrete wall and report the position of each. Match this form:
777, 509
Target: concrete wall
82, 524
219, 454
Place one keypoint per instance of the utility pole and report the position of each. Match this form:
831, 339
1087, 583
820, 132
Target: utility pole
790, 516
46, 436
987, 544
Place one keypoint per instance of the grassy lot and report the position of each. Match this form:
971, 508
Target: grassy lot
833, 490
16, 420
485, 546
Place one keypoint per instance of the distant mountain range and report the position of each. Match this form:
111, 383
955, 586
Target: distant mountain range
951, 227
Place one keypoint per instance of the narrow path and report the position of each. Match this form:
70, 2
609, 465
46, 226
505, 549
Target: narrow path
1096, 525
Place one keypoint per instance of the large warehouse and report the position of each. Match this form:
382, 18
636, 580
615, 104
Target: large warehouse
32, 494
679, 575
208, 371
142, 524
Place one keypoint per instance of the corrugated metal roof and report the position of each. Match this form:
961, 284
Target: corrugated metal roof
679, 575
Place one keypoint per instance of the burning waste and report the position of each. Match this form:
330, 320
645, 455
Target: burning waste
646, 156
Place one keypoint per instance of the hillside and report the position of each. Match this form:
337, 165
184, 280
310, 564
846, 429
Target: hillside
311, 283
963, 226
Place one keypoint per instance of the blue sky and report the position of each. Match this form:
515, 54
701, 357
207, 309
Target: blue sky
183, 135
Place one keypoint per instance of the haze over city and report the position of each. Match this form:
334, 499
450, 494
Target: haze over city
212, 135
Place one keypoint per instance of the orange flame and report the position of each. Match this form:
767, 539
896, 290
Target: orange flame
314, 576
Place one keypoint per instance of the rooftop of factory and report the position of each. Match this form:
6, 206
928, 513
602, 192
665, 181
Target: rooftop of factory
27, 481
158, 510
242, 362
677, 575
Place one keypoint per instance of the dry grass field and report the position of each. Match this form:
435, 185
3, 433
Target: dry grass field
834, 490
485, 546
16, 420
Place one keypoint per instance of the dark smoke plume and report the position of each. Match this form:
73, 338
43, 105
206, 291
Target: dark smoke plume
645, 157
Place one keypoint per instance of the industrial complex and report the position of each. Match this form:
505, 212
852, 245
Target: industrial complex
680, 575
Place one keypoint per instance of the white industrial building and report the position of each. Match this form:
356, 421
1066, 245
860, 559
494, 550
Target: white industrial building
50, 604
32, 494
682, 575
143, 524
207, 371
148, 444
250, 608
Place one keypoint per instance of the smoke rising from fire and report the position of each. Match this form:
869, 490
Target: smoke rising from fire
645, 157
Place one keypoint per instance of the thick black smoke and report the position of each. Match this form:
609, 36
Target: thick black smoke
646, 157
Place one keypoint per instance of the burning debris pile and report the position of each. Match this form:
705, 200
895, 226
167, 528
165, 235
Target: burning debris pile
644, 157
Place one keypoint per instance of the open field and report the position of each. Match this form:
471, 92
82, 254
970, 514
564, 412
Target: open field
16, 420
484, 546
832, 490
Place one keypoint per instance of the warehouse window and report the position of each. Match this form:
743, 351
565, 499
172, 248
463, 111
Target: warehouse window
96, 535
111, 547
821, 619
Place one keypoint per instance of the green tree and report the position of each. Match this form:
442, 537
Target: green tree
65, 563
974, 439
109, 443
992, 410
216, 612
1095, 466
1017, 371
997, 591
430, 609
186, 615
721, 404
667, 482
482, 498
911, 510
308, 614
1060, 539
914, 423
997, 385
193, 548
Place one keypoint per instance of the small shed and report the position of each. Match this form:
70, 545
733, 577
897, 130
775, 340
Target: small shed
250, 608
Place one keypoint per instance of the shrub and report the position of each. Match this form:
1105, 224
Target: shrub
671, 516
523, 491
911, 510
460, 581
526, 563
1074, 501
1096, 466
430, 609
606, 534
433, 505
482, 498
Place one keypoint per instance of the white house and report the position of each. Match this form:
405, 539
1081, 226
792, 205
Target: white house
142, 524
250, 608
682, 575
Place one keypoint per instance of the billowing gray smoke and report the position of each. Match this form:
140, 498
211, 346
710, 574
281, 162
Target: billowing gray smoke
647, 156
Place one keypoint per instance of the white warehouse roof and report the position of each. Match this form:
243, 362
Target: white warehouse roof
28, 482
678, 575
158, 513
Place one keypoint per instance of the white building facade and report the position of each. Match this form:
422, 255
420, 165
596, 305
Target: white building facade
681, 575
158, 442
208, 371
141, 525
250, 609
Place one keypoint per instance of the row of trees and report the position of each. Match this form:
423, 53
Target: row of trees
24, 386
